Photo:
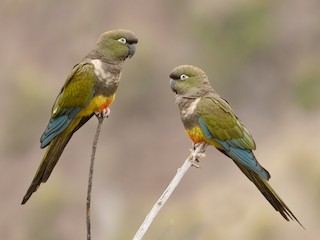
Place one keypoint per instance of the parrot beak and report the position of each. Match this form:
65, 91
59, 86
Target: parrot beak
173, 85
132, 49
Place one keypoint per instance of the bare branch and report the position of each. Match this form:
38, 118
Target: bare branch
94, 147
192, 160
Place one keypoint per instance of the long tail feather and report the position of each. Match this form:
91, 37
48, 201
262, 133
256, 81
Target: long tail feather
49, 161
51, 158
269, 193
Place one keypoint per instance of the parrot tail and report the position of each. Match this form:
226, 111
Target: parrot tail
49, 161
269, 194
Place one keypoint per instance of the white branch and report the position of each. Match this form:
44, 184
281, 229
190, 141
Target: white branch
192, 160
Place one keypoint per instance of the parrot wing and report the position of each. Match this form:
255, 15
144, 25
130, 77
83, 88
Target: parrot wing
74, 96
219, 123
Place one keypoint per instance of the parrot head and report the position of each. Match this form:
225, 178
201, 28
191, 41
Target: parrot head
189, 81
116, 45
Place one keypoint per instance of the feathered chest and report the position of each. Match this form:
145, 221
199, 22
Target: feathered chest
107, 77
188, 107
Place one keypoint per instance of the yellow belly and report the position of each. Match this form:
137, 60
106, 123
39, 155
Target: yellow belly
97, 104
197, 136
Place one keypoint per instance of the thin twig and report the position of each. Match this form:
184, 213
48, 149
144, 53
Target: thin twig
94, 147
192, 160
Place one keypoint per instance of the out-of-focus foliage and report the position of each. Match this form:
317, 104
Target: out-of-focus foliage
307, 90
262, 56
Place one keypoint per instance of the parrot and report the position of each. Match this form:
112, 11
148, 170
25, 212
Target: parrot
209, 119
89, 90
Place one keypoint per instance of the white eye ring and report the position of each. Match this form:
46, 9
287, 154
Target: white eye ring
122, 40
183, 77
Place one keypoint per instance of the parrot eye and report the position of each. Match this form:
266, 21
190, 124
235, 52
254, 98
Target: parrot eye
183, 77
122, 40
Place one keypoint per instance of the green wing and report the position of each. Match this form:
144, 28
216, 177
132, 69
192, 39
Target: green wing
76, 91
223, 124
219, 124
74, 96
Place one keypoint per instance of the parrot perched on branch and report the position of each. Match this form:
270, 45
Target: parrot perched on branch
89, 89
209, 118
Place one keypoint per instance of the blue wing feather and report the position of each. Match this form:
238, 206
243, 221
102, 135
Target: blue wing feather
245, 157
204, 128
56, 126
236, 151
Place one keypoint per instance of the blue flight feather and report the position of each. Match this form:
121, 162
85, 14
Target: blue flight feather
59, 123
235, 150
204, 128
244, 156
56, 126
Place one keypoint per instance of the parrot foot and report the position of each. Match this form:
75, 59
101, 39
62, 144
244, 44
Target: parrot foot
195, 157
195, 164
197, 152
196, 145
104, 113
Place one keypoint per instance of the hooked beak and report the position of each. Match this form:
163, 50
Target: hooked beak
132, 49
173, 85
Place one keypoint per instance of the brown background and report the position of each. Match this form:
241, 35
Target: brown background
263, 56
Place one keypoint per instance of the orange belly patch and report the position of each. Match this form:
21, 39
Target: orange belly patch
97, 104
197, 136
106, 104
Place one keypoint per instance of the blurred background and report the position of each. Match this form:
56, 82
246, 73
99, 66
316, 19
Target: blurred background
262, 56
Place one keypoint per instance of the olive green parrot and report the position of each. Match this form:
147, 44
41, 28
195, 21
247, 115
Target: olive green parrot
89, 89
209, 118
